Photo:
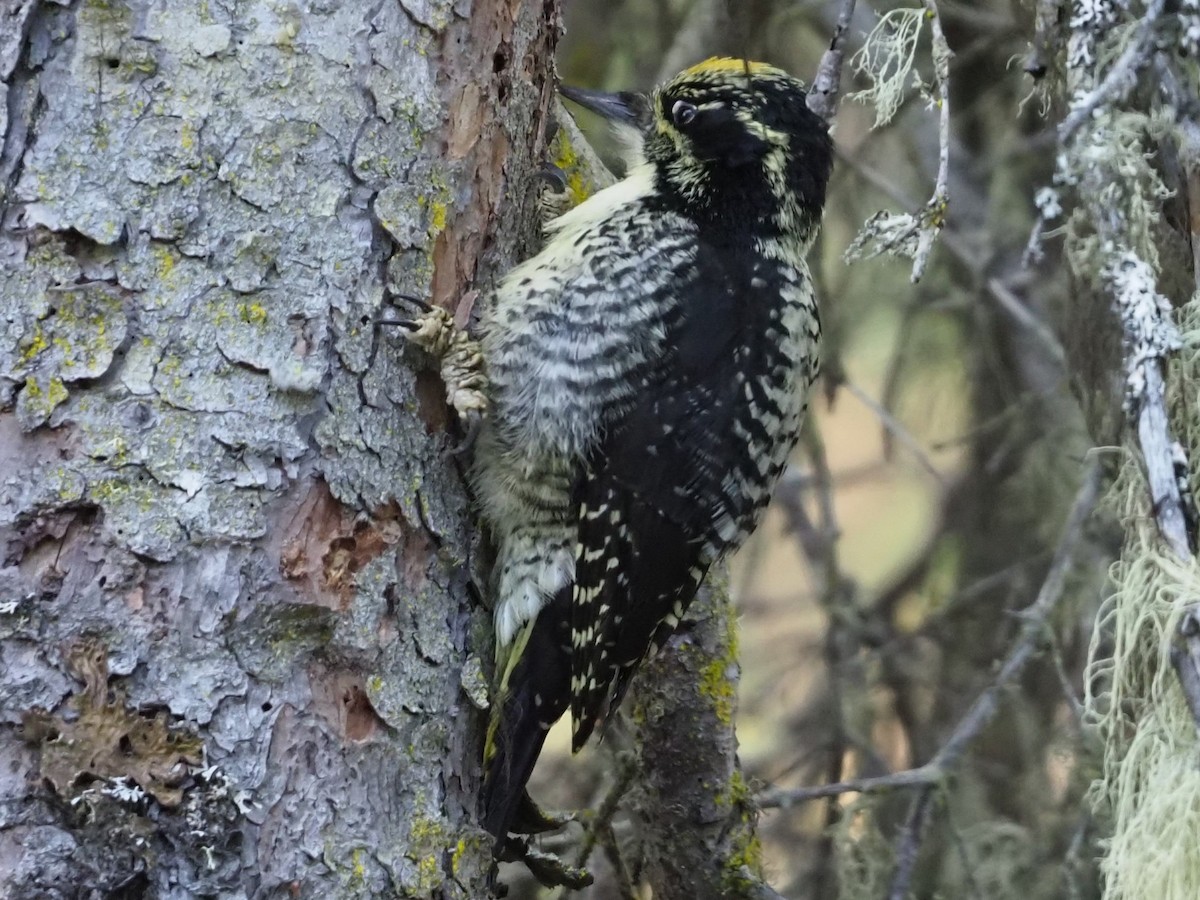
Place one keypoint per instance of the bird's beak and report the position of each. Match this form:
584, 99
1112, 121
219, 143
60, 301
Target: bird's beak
624, 107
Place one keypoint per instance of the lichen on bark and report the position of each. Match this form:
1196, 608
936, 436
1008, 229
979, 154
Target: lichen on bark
222, 472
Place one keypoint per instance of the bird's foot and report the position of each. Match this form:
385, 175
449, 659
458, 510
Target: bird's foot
555, 196
460, 362
532, 819
550, 870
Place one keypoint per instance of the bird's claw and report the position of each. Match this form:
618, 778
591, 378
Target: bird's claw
472, 423
532, 819
460, 362
420, 304
555, 196
555, 177
550, 870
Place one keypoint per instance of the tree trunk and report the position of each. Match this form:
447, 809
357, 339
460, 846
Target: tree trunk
235, 624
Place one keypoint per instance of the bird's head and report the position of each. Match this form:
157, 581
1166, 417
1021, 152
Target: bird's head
729, 136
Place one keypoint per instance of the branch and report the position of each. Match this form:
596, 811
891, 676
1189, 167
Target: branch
693, 814
928, 777
1148, 332
1185, 658
784, 798
894, 427
996, 290
598, 828
1036, 617
887, 58
935, 210
827, 85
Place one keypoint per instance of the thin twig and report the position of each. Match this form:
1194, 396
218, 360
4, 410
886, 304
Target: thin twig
894, 427
612, 850
964, 856
827, 85
601, 822
894, 372
1073, 859
994, 288
1009, 302
1035, 619
986, 705
934, 215
909, 847
786, 798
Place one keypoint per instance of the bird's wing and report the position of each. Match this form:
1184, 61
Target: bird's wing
574, 328
656, 502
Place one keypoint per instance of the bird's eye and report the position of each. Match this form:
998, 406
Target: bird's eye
683, 113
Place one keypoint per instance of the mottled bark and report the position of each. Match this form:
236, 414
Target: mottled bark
694, 813
237, 645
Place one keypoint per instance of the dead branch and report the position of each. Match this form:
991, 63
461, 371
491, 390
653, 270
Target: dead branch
927, 778
935, 211
827, 85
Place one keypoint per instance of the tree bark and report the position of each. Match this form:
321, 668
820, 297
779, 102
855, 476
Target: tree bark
236, 630
695, 813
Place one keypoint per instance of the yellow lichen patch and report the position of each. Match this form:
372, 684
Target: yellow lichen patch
358, 869
435, 206
429, 875
743, 868
717, 677
426, 830
39, 401
717, 687
460, 850
428, 839
103, 739
253, 313
743, 865
567, 161
35, 344
437, 217
166, 260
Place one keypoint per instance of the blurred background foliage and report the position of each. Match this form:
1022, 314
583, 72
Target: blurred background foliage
925, 503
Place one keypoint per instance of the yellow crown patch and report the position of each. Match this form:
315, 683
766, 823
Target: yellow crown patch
721, 64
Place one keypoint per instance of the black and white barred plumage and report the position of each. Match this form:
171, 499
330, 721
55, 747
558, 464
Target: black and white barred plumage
648, 372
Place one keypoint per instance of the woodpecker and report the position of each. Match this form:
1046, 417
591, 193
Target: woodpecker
646, 378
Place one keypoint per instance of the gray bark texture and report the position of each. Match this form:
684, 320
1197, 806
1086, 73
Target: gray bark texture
235, 624
694, 811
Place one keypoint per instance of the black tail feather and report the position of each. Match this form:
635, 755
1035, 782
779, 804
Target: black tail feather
539, 690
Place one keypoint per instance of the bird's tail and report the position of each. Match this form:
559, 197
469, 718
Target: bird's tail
534, 693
